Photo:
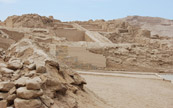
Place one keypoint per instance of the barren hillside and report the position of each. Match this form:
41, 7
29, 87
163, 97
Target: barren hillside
156, 25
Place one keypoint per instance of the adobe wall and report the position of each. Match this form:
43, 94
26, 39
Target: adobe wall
91, 26
79, 57
70, 34
84, 56
61, 25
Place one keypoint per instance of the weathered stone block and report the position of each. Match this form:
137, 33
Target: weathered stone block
6, 86
22, 103
28, 94
33, 84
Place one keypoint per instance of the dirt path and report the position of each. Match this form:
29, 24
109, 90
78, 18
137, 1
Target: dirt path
124, 92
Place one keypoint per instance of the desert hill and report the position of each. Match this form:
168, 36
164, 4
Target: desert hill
156, 25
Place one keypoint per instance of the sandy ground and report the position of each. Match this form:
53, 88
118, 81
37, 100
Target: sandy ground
124, 92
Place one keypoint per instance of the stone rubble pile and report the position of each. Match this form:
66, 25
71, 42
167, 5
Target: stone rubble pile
22, 87
27, 84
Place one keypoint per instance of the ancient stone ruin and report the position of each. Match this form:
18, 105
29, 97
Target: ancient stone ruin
38, 55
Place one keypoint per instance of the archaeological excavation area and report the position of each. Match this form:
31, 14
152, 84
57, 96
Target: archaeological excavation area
47, 63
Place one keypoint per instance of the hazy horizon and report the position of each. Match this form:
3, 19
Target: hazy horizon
72, 10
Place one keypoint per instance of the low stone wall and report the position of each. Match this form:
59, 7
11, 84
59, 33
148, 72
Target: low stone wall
91, 26
62, 25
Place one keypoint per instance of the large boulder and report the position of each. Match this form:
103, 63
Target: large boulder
24, 93
32, 103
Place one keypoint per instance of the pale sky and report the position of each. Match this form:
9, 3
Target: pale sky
68, 10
